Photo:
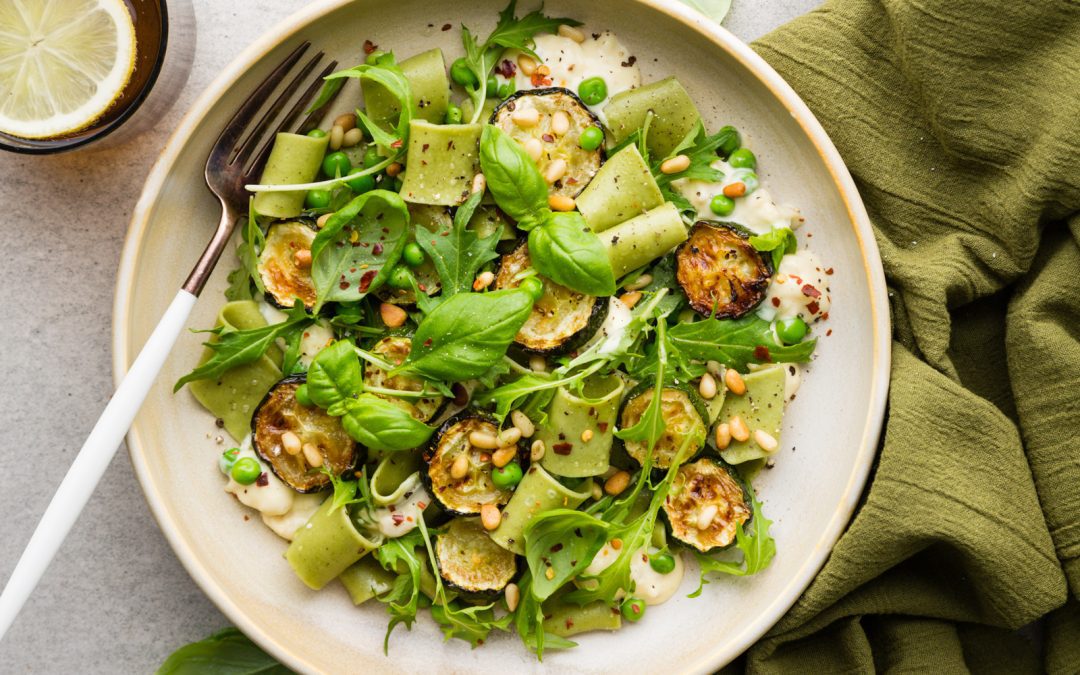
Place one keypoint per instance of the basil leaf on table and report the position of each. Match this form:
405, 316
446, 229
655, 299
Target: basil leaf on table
354, 252
512, 178
457, 252
227, 652
381, 425
566, 251
736, 342
335, 375
464, 336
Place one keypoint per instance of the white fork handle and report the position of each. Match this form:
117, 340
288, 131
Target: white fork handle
92, 460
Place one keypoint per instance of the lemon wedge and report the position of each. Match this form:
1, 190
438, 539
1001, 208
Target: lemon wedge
63, 63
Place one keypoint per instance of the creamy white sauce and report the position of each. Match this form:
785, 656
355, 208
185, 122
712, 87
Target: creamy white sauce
303, 508
799, 288
757, 211
792, 380
401, 517
272, 499
316, 337
270, 313
649, 585
612, 332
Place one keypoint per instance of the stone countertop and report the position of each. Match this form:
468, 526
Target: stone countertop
115, 600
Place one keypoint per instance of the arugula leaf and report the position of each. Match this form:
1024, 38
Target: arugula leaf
779, 242
381, 425
562, 542
651, 426
737, 342
758, 549
227, 652
457, 252
239, 285
252, 241
236, 347
529, 621
566, 251
512, 178
701, 149
334, 375
399, 555
352, 254
464, 336
389, 75
290, 361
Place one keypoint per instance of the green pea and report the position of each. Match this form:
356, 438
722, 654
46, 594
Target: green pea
533, 286
317, 199
506, 89
591, 138
507, 476
375, 57
400, 278
246, 471
721, 205
453, 114
227, 459
730, 142
742, 159
302, 396
372, 157
750, 179
317, 133
633, 609
492, 87
792, 330
361, 184
413, 255
593, 90
462, 74
663, 563
336, 164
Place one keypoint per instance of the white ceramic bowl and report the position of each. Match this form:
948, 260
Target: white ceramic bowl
830, 432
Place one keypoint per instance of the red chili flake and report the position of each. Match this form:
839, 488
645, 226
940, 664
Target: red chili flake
263, 480
813, 307
825, 316
602, 426
761, 353
365, 281
422, 287
776, 302
548, 138
569, 624
562, 448
446, 26
507, 68
556, 548
828, 332
810, 292
427, 342
369, 46
539, 80
426, 146
343, 285
246, 517
829, 271
421, 505
397, 518
396, 143
377, 249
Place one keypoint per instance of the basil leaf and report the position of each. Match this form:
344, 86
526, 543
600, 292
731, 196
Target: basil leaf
457, 252
564, 541
736, 342
465, 335
227, 652
354, 252
381, 425
779, 242
512, 178
566, 251
334, 375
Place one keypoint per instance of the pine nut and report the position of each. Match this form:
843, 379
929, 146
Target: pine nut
460, 467
574, 34
479, 183
347, 121
561, 203
735, 189
534, 149
596, 491
523, 423
765, 440
392, 315
734, 382
723, 436
630, 299
483, 440
302, 258
639, 283
503, 456
527, 118
586, 435
536, 452
527, 65
555, 170
483, 280
509, 436
543, 70
321, 222
538, 363
706, 516
352, 138
513, 596
291, 442
714, 368
739, 430
617, 483
490, 516
393, 169
560, 123
676, 164
312, 455
337, 135
707, 387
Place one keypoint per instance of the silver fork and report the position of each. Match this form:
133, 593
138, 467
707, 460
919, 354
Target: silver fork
235, 160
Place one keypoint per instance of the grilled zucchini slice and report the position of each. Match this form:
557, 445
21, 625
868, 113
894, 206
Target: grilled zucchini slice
280, 412
471, 562
561, 319
463, 496
395, 349
283, 277
719, 270
581, 164
684, 415
707, 486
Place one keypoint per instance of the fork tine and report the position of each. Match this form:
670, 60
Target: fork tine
290, 117
313, 118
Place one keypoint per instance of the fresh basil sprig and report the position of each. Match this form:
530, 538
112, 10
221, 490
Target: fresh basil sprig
736, 342
513, 179
457, 252
334, 375
379, 424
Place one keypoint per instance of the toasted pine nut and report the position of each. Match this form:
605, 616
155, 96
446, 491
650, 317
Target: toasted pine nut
561, 203
596, 491
706, 516
509, 436
527, 65
483, 280
714, 368
513, 596
560, 123
483, 440
734, 382
538, 363
735, 189
586, 435
312, 455
393, 169
352, 138
526, 118
523, 423
337, 135
723, 436
630, 299
503, 456
572, 33
617, 483
765, 440
303, 258
707, 387
536, 452
291, 442
479, 183
534, 149
739, 430
347, 121
555, 170
639, 283
321, 222
392, 315
675, 164
490, 516
460, 467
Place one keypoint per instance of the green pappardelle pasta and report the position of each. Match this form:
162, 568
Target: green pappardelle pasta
640, 240
592, 414
538, 491
623, 189
328, 545
293, 159
442, 162
426, 73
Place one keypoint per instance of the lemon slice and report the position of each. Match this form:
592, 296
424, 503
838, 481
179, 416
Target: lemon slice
62, 63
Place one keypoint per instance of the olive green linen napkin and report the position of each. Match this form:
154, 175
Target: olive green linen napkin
960, 122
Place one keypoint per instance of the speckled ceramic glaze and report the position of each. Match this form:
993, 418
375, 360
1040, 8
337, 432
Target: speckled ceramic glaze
830, 432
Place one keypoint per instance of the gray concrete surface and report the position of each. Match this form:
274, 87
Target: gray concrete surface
115, 600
